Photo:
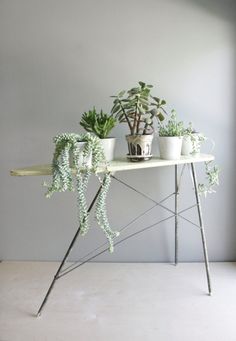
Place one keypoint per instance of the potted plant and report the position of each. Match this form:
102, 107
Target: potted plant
170, 138
101, 125
191, 145
62, 180
137, 107
192, 141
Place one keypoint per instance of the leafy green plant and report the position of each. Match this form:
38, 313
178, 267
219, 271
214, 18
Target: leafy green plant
100, 124
66, 147
172, 127
138, 108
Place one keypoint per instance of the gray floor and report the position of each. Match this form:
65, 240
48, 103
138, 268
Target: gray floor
116, 302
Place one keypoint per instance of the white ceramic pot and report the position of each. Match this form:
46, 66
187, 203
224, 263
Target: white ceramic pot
191, 144
170, 147
187, 146
86, 162
108, 145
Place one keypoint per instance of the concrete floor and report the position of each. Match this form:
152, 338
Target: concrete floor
118, 302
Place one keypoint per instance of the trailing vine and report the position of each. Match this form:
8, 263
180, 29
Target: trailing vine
101, 213
212, 171
69, 155
212, 177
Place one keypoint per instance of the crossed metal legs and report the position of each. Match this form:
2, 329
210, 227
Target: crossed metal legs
176, 214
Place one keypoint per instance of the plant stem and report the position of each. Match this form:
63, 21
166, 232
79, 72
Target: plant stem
135, 127
126, 117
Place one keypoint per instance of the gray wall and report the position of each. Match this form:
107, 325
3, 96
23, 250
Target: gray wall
59, 58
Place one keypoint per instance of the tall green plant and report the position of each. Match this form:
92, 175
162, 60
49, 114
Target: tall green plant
66, 148
138, 108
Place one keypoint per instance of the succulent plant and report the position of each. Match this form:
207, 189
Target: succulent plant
100, 124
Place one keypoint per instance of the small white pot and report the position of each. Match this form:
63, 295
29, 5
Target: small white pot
187, 146
170, 147
108, 145
191, 145
82, 162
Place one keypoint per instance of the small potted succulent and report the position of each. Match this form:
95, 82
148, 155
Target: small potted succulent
170, 138
100, 124
138, 108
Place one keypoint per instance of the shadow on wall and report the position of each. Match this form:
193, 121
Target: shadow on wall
226, 10
223, 9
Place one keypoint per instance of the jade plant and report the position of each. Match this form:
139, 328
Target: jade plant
100, 124
138, 108
67, 148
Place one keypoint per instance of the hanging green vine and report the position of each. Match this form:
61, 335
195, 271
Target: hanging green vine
69, 155
212, 177
211, 170
101, 213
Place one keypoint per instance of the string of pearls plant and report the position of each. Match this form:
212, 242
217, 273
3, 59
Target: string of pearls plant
69, 155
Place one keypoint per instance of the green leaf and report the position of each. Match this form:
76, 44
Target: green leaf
160, 116
121, 93
156, 99
115, 109
134, 91
141, 110
142, 84
144, 101
144, 106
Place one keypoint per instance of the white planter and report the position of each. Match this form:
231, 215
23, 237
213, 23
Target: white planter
191, 145
187, 146
82, 162
108, 145
170, 147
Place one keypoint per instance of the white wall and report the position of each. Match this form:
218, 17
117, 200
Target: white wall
59, 58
